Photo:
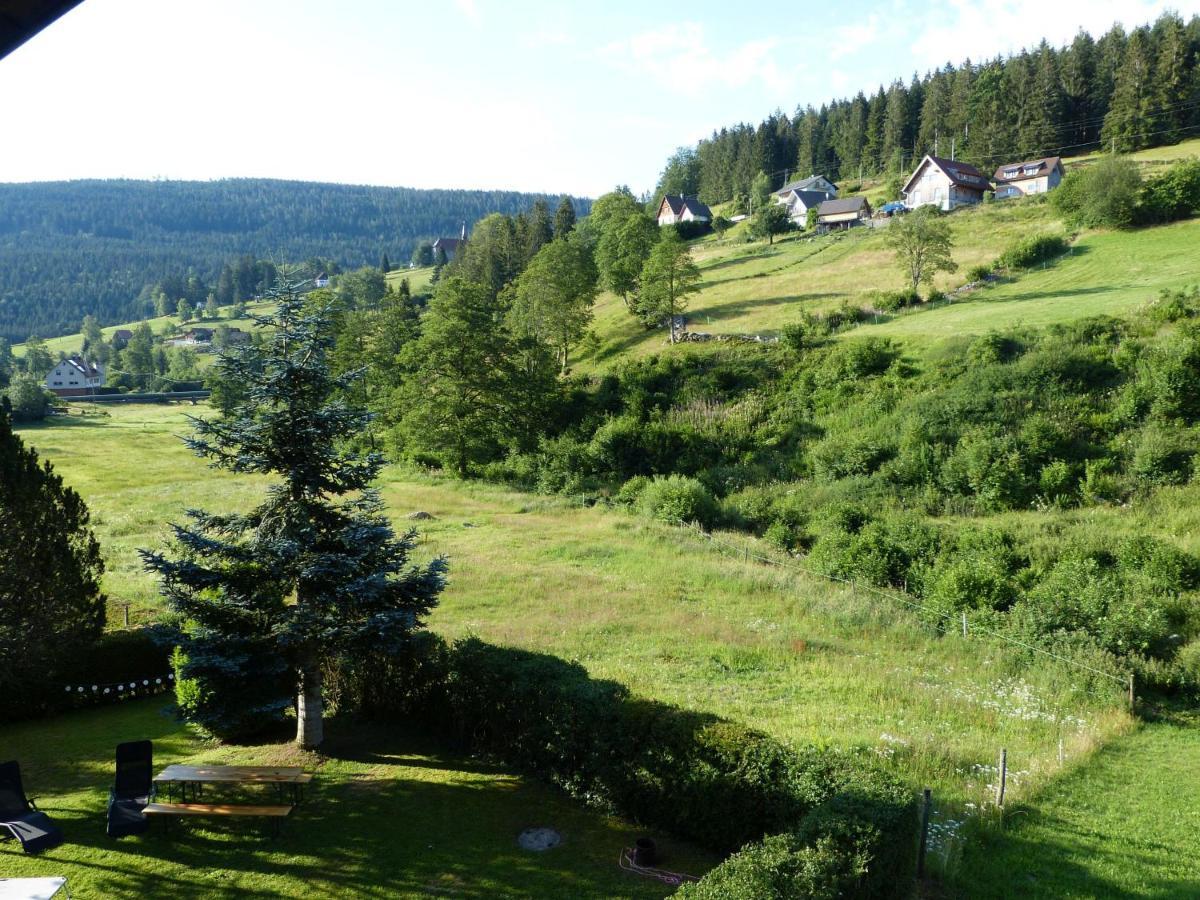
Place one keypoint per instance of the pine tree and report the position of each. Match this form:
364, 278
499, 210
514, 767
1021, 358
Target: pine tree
1078, 71
935, 112
1172, 78
315, 569
385, 264
564, 217
1129, 115
51, 607
1045, 107
894, 152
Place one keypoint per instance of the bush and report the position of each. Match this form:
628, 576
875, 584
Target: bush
1105, 194
1162, 455
980, 272
891, 301
1037, 248
676, 498
631, 491
1173, 195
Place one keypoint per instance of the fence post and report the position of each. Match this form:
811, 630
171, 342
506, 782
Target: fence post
1003, 777
1131, 697
125, 608
924, 834
964, 621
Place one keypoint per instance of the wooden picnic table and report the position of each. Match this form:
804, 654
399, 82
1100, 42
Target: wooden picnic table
196, 777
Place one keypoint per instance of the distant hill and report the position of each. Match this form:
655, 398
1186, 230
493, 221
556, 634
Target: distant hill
77, 247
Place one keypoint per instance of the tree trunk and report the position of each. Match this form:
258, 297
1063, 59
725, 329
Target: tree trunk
310, 707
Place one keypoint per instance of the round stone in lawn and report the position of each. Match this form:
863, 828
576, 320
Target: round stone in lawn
539, 839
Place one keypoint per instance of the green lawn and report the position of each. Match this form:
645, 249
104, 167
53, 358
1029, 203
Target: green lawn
418, 279
1124, 825
390, 814
643, 604
1107, 273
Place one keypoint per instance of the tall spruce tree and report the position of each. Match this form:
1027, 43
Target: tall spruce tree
564, 217
1129, 117
315, 569
51, 607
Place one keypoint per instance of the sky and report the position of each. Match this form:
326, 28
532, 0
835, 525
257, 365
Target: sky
494, 94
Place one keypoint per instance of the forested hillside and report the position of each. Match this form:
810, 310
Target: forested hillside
68, 249
1123, 90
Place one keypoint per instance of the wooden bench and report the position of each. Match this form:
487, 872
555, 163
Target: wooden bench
276, 813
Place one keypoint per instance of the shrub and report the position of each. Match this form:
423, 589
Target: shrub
1105, 193
1162, 455
676, 498
891, 301
980, 272
847, 456
1028, 252
563, 465
936, 296
990, 348
1172, 306
861, 358
631, 491
1187, 663
1173, 195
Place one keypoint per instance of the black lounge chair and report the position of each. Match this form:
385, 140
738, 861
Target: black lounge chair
19, 816
132, 789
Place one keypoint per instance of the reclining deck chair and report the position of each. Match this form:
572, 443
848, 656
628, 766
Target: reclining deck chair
19, 816
132, 789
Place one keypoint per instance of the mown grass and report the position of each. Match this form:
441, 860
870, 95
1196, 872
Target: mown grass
645, 604
1123, 825
418, 279
390, 814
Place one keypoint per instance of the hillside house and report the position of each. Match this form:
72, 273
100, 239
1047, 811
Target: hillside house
321, 281
674, 208
193, 337
945, 183
75, 377
121, 337
450, 247
1035, 176
799, 202
843, 214
818, 183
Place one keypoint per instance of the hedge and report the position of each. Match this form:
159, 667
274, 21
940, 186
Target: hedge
827, 816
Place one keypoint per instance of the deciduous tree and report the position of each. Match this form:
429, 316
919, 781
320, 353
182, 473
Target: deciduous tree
553, 297
922, 243
668, 277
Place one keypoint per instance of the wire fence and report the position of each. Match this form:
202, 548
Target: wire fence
927, 613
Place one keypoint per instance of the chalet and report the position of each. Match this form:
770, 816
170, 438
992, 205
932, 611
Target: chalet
121, 337
812, 183
945, 183
75, 377
674, 208
1035, 176
834, 214
193, 337
321, 281
799, 202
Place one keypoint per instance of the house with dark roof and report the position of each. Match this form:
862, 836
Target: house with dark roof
75, 377
121, 337
945, 183
799, 202
812, 183
1034, 176
450, 247
674, 208
842, 214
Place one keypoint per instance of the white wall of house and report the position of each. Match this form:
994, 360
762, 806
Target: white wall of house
66, 376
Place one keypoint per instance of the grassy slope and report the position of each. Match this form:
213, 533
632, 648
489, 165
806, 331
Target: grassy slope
642, 603
389, 815
418, 279
1117, 827
757, 289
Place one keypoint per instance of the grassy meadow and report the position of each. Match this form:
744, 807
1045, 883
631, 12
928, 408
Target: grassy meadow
648, 605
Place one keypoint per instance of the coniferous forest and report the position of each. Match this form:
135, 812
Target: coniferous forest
70, 249
1122, 90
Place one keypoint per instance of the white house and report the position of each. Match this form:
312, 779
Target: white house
799, 202
75, 377
674, 208
1034, 176
945, 183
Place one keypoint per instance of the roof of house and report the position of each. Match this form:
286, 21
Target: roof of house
448, 243
674, 201
698, 209
1044, 166
87, 369
843, 206
808, 198
123, 333
960, 173
803, 184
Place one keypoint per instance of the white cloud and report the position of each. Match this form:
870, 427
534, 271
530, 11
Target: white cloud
677, 57
849, 40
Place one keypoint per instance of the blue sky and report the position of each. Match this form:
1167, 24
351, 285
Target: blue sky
547, 96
